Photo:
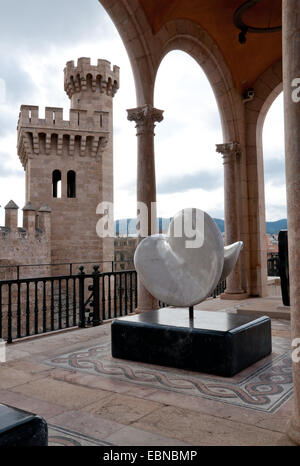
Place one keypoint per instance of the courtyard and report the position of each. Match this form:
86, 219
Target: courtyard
90, 399
222, 159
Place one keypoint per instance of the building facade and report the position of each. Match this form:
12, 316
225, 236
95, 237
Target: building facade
69, 168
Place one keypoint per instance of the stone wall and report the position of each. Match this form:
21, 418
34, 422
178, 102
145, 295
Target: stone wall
82, 144
28, 245
124, 253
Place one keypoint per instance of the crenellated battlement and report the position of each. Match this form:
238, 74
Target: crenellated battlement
83, 77
83, 134
30, 244
35, 222
81, 120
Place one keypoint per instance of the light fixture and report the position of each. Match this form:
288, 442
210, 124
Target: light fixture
245, 28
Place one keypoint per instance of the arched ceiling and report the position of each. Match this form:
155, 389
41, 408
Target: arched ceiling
246, 62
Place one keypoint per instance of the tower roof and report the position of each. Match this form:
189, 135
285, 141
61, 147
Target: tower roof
29, 207
45, 208
11, 205
84, 76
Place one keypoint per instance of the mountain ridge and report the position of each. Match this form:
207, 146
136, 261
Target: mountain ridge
128, 225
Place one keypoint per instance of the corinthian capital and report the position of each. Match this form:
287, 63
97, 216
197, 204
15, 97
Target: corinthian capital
229, 150
145, 118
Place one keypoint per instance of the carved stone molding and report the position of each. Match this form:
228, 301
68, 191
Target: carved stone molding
145, 118
229, 150
103, 142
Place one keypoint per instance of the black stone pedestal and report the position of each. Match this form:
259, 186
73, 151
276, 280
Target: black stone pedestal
216, 343
21, 429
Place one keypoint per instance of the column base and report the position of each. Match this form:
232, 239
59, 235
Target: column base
281, 307
293, 431
141, 311
234, 296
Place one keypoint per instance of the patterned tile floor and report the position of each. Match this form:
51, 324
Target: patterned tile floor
61, 437
88, 398
263, 387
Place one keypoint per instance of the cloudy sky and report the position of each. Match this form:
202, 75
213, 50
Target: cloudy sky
39, 37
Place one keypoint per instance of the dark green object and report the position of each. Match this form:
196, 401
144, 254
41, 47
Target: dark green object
216, 343
284, 266
21, 429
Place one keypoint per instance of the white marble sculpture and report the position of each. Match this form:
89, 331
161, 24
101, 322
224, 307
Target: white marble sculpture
183, 267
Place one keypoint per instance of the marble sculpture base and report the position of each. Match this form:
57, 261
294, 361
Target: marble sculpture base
21, 429
215, 342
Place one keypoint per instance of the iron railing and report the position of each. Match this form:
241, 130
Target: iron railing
35, 306
273, 265
220, 288
68, 268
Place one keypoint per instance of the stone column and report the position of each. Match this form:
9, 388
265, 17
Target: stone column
291, 82
145, 118
231, 152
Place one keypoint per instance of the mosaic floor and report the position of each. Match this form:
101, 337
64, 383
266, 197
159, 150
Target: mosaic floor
61, 437
88, 398
264, 387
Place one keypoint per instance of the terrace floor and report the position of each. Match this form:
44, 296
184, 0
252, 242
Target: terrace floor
88, 398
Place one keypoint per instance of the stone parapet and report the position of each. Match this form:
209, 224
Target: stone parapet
28, 245
33, 222
101, 77
78, 120
84, 134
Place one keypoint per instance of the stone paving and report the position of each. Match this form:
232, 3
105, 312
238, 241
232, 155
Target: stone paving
88, 398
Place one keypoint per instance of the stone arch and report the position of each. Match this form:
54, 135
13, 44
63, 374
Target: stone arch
266, 88
71, 184
188, 37
136, 34
56, 183
146, 51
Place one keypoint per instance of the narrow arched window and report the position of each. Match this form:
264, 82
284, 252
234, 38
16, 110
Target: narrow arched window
56, 183
71, 184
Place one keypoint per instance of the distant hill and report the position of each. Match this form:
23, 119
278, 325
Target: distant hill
275, 227
127, 226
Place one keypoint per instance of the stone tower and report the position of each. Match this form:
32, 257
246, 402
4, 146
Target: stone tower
69, 163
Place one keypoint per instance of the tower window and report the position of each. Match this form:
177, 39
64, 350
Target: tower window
56, 183
71, 184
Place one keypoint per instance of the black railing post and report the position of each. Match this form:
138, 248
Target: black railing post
284, 266
9, 316
0, 311
81, 276
96, 297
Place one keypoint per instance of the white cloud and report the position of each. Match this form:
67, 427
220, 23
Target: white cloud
38, 43
274, 162
186, 139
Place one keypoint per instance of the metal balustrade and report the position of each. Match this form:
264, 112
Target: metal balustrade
36, 306
273, 265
